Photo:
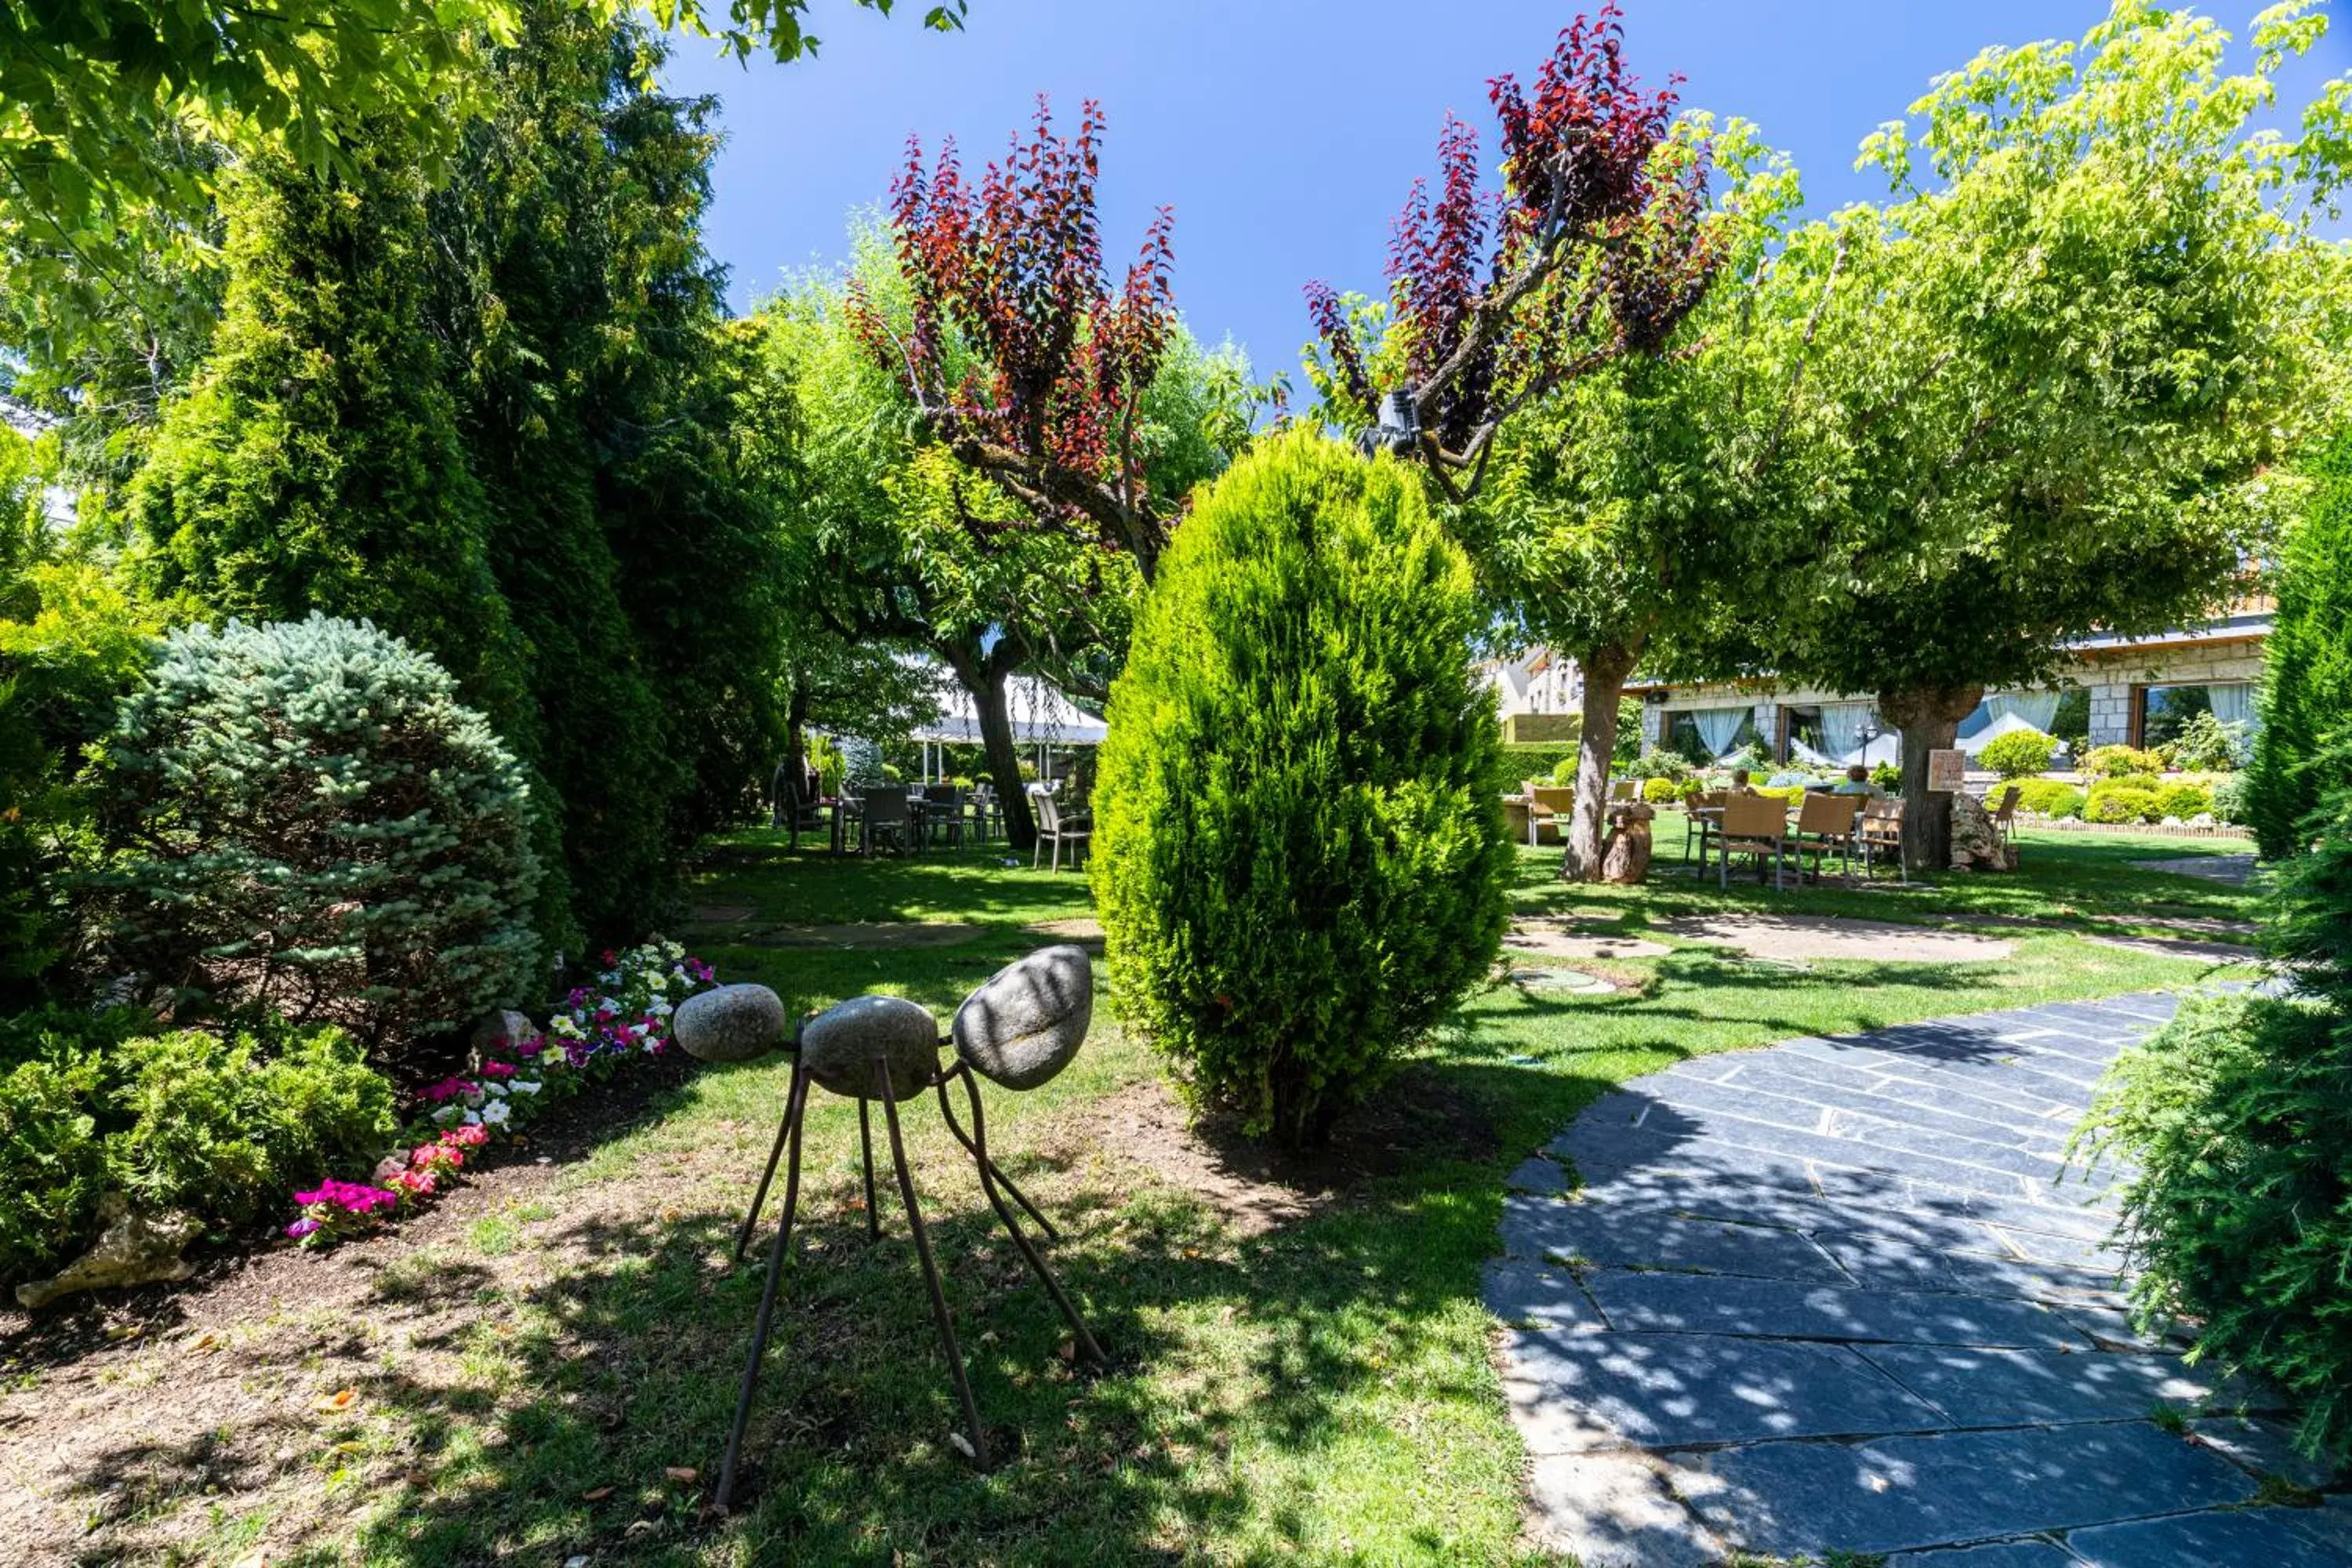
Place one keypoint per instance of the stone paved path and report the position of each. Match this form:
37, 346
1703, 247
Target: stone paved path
1834, 1297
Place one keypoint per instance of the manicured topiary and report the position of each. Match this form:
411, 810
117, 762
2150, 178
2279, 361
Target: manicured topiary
305, 814
2049, 797
2306, 696
2113, 800
1301, 855
2183, 800
1661, 791
2019, 754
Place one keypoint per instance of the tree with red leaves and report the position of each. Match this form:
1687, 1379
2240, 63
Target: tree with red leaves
1595, 247
1020, 354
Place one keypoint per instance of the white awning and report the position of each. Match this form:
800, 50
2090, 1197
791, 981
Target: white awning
1042, 715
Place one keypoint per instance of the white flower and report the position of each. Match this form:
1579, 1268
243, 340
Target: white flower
445, 1115
496, 1114
659, 1008
523, 1085
495, 1087
473, 1119
658, 980
566, 1024
475, 1098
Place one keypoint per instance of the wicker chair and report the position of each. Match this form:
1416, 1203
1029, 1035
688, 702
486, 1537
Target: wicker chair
886, 819
1882, 834
1698, 829
1827, 824
1754, 825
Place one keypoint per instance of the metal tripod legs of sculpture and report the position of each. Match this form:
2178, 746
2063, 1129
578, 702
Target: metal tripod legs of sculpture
993, 1181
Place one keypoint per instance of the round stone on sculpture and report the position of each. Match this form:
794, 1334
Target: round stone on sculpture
1026, 1022
730, 1024
839, 1045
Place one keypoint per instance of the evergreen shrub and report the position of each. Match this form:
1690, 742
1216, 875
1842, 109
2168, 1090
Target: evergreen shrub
1301, 857
2230, 792
1661, 791
2049, 797
2235, 1125
1655, 764
2121, 762
305, 815
216, 1126
2019, 754
2121, 800
2183, 800
2306, 699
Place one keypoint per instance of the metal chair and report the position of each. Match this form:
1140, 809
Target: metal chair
1697, 828
1754, 825
885, 818
943, 815
1054, 828
797, 808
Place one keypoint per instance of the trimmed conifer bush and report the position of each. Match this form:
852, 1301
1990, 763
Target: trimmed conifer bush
1300, 848
2306, 697
305, 815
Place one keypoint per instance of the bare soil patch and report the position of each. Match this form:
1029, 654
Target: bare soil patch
1807, 938
1256, 1189
1084, 930
1560, 939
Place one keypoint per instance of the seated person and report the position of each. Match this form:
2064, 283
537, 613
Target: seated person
1857, 782
1740, 783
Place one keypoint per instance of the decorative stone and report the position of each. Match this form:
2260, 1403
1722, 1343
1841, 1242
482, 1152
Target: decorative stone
730, 1023
1027, 1022
505, 1024
838, 1047
133, 1249
1625, 853
1975, 841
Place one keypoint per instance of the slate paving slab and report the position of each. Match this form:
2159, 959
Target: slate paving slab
1842, 1295
1901, 1493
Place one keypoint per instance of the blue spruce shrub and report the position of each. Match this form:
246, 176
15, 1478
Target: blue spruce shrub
305, 815
1301, 855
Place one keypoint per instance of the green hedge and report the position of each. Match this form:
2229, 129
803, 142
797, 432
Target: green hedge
2122, 800
1543, 763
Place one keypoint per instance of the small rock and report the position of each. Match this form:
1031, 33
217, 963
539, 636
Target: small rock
505, 1026
731, 1023
839, 1045
1026, 1022
133, 1249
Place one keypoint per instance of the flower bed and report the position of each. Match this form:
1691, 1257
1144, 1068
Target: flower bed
599, 1030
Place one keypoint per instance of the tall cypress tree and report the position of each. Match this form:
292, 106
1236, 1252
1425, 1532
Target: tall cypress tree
314, 461
2307, 685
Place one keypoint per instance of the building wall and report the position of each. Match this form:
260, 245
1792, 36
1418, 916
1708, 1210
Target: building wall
2111, 679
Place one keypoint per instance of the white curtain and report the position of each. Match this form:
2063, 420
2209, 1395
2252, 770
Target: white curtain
1841, 729
2233, 705
2039, 709
1718, 728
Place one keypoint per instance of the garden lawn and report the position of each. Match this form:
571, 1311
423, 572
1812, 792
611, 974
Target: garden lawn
526, 1365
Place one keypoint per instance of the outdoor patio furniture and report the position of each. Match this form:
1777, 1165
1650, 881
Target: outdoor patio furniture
1549, 808
2004, 816
1700, 819
796, 810
1056, 827
886, 819
1827, 823
1754, 825
1881, 833
943, 815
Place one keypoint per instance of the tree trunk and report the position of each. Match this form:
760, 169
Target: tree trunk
1604, 669
795, 768
984, 675
1929, 717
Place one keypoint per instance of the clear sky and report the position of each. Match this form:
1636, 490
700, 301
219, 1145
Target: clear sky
1286, 132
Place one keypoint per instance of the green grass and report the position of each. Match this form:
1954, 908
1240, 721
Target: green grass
1319, 1393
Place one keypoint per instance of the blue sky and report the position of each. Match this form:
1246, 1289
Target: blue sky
1286, 132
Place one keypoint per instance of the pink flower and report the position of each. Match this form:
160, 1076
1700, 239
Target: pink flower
497, 1069
447, 1089
530, 1046
302, 1228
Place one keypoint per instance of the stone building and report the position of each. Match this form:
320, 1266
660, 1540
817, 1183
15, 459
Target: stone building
2108, 692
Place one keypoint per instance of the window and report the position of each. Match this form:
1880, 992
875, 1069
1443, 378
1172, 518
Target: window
2165, 711
1694, 734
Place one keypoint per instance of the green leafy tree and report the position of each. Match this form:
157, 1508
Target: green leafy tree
1619, 508
2049, 386
2307, 681
1301, 855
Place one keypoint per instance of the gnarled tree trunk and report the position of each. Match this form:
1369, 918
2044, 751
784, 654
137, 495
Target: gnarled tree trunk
984, 675
1604, 670
1929, 717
